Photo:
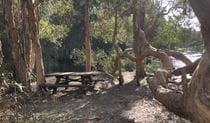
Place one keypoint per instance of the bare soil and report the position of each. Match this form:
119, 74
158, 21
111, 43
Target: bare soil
113, 104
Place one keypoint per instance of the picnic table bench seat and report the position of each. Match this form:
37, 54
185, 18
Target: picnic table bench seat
85, 78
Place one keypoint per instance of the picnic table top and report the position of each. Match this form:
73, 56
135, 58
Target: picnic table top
74, 73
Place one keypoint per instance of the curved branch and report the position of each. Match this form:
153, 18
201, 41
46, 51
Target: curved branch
178, 56
189, 69
151, 51
173, 100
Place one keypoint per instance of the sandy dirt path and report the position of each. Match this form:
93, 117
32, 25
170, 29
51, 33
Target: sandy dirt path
117, 104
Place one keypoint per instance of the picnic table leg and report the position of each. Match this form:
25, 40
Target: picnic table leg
83, 80
57, 82
67, 80
91, 83
88, 82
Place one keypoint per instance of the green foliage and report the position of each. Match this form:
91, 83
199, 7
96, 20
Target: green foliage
168, 35
7, 70
101, 60
54, 23
172, 35
128, 65
33, 77
103, 25
78, 55
62, 22
153, 66
59, 8
50, 55
52, 32
7, 73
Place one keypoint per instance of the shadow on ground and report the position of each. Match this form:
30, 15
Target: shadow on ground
118, 104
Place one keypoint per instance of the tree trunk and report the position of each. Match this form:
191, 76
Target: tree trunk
88, 51
117, 63
194, 101
138, 25
198, 91
14, 34
22, 19
1, 61
36, 50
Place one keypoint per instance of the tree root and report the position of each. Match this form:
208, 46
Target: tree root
173, 100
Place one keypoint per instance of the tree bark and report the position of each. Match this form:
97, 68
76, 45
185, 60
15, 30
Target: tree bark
36, 50
22, 18
1, 62
12, 18
117, 62
194, 101
138, 42
198, 90
88, 51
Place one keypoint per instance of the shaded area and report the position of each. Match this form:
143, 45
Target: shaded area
117, 104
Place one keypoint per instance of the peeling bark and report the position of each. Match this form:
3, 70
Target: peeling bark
36, 51
12, 18
22, 20
88, 50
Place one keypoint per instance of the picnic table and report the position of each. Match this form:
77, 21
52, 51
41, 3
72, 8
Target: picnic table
86, 79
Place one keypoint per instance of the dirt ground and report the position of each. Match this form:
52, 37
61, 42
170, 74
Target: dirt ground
116, 104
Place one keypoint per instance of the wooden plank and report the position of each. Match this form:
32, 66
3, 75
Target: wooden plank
61, 85
86, 73
59, 74
75, 73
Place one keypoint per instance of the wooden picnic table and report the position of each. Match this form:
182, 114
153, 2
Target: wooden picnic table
86, 78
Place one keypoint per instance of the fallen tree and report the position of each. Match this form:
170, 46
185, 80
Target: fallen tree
193, 101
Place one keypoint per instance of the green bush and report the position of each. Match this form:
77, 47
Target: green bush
128, 65
154, 65
101, 60
6, 71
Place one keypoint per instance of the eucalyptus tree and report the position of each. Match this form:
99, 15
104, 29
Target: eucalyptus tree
22, 28
88, 49
192, 100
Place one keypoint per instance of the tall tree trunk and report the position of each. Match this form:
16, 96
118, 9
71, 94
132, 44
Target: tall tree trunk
88, 51
138, 25
13, 21
1, 61
117, 64
36, 50
6, 47
22, 19
198, 91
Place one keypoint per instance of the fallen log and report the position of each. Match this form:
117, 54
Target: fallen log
173, 100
